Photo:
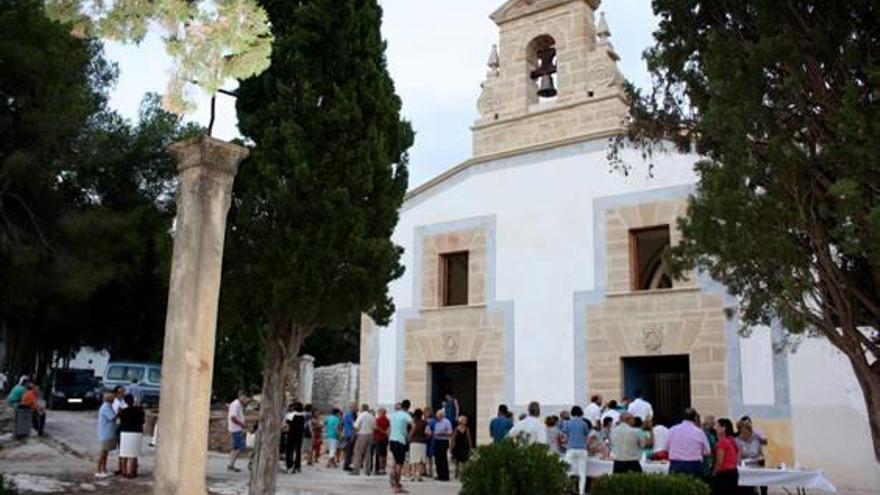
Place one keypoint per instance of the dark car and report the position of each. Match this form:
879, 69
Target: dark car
73, 388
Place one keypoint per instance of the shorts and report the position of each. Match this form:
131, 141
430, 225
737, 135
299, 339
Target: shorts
332, 445
109, 445
239, 441
398, 450
418, 452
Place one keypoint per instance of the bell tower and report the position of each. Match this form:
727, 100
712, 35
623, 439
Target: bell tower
552, 79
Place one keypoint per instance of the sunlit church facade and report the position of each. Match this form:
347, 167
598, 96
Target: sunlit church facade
534, 270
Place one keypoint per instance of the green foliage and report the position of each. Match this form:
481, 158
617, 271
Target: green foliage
514, 467
334, 345
648, 484
50, 84
316, 203
780, 99
210, 41
238, 360
314, 206
86, 199
7, 487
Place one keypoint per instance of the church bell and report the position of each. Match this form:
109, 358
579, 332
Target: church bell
546, 89
544, 72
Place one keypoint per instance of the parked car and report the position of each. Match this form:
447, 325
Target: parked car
70, 387
124, 373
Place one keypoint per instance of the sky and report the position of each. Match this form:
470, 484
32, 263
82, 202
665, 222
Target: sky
437, 53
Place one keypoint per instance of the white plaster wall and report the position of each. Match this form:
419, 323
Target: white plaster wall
545, 251
89, 358
829, 417
756, 356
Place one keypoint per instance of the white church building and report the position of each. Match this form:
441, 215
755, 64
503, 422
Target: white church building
533, 271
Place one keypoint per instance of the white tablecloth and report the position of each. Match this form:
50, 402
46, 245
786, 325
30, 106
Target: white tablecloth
788, 478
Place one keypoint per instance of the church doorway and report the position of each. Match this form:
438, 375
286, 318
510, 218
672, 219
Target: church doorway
459, 379
665, 382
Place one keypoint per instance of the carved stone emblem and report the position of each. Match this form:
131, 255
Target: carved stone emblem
602, 73
652, 339
450, 344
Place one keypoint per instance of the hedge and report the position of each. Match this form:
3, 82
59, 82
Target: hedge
513, 467
648, 484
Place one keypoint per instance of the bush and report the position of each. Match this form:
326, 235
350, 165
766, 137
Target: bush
648, 484
514, 468
7, 487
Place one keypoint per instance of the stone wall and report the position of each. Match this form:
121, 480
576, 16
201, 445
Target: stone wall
335, 386
218, 431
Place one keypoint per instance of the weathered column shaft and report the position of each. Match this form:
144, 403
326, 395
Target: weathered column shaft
206, 170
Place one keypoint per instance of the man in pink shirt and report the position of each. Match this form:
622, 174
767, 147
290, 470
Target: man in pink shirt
687, 446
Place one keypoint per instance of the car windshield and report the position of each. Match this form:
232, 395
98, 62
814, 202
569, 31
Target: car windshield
74, 378
125, 373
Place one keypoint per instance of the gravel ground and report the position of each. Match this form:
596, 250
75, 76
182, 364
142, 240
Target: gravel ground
63, 462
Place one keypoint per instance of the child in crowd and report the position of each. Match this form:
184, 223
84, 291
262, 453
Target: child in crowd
432, 422
553, 434
316, 425
646, 435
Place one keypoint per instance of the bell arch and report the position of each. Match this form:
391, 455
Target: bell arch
541, 69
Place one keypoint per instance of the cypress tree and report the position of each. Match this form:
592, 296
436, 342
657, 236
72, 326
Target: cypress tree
309, 232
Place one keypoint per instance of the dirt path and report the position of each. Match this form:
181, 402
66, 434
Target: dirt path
63, 462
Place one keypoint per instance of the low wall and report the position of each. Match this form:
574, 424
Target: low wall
335, 386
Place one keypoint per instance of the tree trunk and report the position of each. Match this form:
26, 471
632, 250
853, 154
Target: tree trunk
281, 348
265, 465
869, 380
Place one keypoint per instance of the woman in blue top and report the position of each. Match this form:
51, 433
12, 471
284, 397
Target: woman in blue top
575, 431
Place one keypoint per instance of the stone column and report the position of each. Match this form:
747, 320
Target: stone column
206, 170
306, 377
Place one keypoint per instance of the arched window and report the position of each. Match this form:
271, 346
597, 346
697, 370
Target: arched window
647, 249
542, 69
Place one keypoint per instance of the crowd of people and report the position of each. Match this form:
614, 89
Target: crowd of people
121, 426
626, 433
26, 395
420, 442
120, 422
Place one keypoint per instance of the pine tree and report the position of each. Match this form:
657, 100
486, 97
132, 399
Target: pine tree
781, 99
314, 207
210, 40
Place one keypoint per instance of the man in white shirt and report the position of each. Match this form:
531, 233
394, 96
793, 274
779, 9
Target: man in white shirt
363, 443
641, 408
612, 413
236, 425
593, 411
531, 428
118, 403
